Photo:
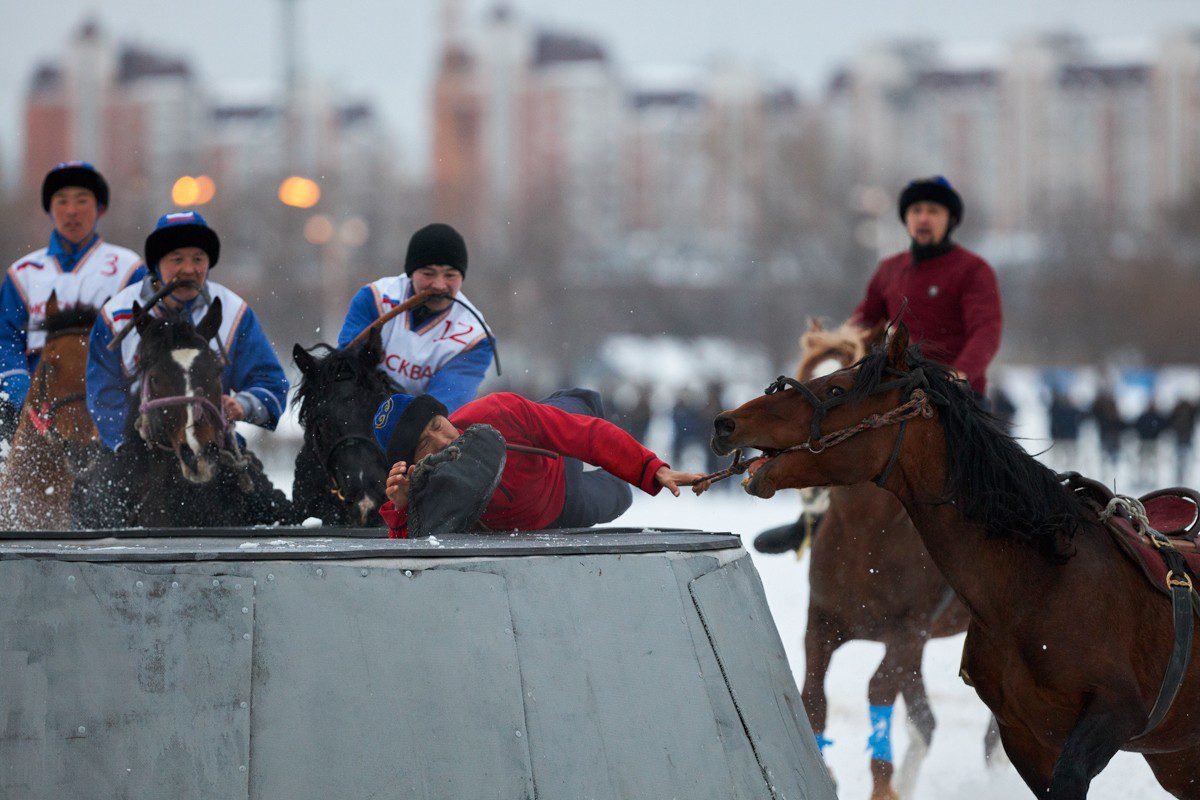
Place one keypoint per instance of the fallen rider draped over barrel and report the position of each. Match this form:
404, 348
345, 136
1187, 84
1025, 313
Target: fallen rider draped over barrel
517, 489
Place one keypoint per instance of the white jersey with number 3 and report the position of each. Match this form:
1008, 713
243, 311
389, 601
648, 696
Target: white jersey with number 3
102, 272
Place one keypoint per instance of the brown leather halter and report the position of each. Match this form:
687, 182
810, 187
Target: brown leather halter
917, 403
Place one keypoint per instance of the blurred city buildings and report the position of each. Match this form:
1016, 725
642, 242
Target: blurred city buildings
703, 199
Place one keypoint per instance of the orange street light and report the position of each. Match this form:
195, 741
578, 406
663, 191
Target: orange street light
318, 230
299, 192
206, 189
185, 192
189, 191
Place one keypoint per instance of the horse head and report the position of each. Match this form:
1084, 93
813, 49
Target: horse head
339, 392
56, 404
180, 402
797, 424
825, 351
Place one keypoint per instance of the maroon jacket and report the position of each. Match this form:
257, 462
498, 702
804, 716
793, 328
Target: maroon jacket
953, 307
533, 487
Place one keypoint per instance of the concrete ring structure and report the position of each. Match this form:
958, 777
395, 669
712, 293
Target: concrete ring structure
289, 664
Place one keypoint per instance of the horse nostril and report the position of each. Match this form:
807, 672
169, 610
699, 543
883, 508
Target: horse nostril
724, 425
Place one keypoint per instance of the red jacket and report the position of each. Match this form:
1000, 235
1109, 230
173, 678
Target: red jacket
532, 489
953, 307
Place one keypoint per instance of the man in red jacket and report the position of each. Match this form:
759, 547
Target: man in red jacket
953, 299
953, 305
535, 491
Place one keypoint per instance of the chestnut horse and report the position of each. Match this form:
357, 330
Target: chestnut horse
870, 578
1068, 642
55, 434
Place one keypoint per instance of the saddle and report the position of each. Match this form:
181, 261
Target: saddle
1158, 533
1170, 514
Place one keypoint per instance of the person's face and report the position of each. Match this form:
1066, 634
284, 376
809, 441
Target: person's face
436, 437
927, 223
440, 278
187, 264
75, 212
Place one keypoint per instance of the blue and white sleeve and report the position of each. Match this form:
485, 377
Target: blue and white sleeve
362, 312
107, 386
457, 382
14, 366
256, 374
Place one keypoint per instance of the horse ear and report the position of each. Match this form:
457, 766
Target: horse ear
370, 353
898, 348
877, 336
211, 324
814, 325
52, 305
140, 318
303, 359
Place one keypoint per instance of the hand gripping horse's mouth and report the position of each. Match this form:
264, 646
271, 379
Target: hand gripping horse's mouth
755, 482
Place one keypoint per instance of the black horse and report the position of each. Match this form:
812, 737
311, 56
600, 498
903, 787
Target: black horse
180, 465
341, 470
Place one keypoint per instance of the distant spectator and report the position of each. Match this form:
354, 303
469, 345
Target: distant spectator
688, 424
713, 407
1065, 421
1110, 425
638, 418
1182, 423
1003, 407
1149, 427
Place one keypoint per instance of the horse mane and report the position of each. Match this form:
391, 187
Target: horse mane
990, 478
330, 362
80, 316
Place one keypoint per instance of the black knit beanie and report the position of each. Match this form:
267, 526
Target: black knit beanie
436, 244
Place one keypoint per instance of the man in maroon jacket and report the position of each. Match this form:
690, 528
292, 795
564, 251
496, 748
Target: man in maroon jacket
953, 304
953, 300
535, 491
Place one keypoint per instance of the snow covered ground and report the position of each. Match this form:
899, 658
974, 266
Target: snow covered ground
954, 767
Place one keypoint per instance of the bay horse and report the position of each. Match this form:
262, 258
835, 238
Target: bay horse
341, 470
870, 578
55, 435
1068, 642
180, 465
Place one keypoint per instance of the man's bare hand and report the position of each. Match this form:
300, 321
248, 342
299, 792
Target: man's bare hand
232, 408
672, 479
397, 484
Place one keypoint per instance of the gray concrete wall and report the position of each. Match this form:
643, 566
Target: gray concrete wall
640, 676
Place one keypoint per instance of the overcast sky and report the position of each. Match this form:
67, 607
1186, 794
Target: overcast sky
385, 50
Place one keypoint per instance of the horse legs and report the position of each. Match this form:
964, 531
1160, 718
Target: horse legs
901, 659
921, 724
993, 753
821, 638
1176, 772
1095, 739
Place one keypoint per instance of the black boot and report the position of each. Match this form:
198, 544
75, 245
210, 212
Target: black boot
787, 538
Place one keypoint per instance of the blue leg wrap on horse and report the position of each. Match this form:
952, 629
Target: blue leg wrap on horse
880, 743
822, 742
